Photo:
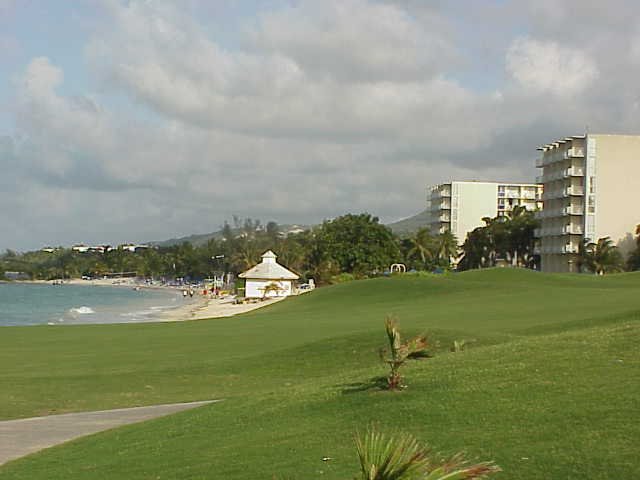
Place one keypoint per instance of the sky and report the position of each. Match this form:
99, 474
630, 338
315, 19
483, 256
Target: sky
145, 120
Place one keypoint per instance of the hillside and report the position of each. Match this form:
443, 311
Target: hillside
410, 225
546, 388
402, 227
201, 239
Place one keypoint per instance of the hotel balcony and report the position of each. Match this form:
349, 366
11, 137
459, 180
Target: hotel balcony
572, 230
574, 152
573, 210
574, 172
436, 206
573, 190
444, 217
540, 161
570, 248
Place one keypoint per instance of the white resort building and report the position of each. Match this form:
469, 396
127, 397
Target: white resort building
268, 279
591, 190
459, 207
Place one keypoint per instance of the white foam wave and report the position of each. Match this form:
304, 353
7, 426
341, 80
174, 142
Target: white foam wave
81, 311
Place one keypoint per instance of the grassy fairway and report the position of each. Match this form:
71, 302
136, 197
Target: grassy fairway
549, 389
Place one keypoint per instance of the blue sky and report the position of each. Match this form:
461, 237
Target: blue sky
164, 118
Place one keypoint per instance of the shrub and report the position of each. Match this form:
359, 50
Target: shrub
399, 352
402, 457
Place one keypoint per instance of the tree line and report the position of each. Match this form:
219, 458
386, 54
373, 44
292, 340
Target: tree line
353, 245
350, 246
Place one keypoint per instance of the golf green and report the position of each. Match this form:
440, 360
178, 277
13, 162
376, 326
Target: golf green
547, 387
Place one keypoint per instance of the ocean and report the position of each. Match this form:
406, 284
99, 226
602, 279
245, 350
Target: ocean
44, 304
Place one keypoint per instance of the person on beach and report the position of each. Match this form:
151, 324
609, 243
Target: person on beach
184, 294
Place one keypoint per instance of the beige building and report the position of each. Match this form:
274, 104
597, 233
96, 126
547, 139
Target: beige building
460, 206
591, 190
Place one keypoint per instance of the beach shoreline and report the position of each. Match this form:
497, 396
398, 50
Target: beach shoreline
198, 307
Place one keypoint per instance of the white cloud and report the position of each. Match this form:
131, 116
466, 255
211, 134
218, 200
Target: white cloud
548, 67
312, 111
355, 40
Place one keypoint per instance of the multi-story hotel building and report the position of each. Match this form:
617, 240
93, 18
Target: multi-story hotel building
459, 207
591, 190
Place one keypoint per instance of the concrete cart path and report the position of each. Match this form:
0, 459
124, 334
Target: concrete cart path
27, 435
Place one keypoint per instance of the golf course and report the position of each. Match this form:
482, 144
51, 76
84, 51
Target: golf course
547, 384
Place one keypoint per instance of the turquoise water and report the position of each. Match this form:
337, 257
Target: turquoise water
26, 304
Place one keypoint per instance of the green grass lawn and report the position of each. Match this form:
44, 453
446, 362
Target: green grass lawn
549, 388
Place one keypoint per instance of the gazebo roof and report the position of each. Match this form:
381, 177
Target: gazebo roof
269, 269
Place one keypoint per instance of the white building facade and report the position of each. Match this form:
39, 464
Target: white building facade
459, 207
268, 279
591, 190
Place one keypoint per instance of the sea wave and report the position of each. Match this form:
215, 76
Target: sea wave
81, 310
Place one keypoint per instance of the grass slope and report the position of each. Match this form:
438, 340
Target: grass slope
549, 389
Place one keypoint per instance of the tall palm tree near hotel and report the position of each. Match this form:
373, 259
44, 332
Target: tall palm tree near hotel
600, 257
422, 247
447, 247
633, 262
520, 224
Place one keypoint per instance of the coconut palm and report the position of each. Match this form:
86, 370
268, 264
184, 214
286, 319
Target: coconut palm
447, 247
401, 457
601, 257
399, 352
422, 247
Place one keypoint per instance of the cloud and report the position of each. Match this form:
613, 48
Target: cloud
547, 67
337, 70
311, 110
355, 41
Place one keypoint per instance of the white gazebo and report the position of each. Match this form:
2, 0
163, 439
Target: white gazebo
268, 279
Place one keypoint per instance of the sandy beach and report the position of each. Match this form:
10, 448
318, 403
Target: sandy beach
204, 307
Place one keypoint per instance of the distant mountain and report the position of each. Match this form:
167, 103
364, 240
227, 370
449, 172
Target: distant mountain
410, 225
406, 226
201, 239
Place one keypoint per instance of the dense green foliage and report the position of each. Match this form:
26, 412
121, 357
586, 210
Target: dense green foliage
600, 257
509, 237
633, 262
548, 388
355, 245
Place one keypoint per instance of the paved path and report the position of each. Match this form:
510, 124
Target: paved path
27, 435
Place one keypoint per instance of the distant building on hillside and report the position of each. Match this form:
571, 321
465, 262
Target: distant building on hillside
131, 247
80, 247
459, 207
268, 279
591, 190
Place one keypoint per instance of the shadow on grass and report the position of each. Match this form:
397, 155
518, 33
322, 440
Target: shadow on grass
374, 383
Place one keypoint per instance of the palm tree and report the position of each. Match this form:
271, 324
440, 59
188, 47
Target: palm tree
402, 457
633, 262
399, 352
447, 247
422, 246
601, 257
520, 225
